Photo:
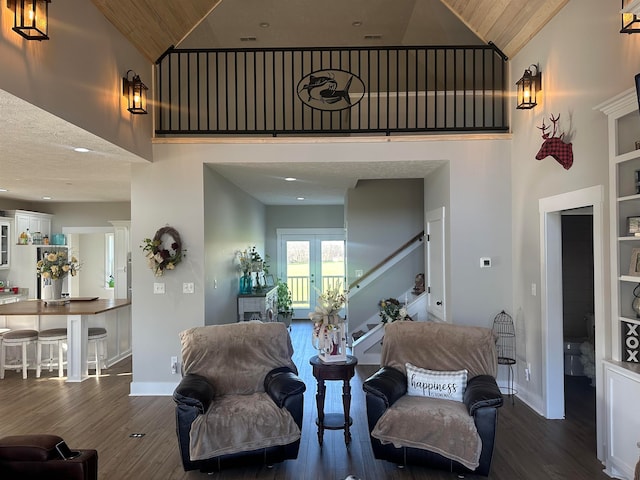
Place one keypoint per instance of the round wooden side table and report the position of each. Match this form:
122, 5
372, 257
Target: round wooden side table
334, 371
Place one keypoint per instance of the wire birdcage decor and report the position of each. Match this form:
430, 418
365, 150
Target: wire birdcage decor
506, 342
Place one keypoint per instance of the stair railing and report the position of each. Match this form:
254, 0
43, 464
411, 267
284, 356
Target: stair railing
386, 264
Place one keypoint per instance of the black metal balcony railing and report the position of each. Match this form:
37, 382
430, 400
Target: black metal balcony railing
403, 89
300, 287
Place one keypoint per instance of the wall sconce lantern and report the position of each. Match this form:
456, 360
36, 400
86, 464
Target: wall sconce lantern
136, 93
528, 87
630, 21
31, 18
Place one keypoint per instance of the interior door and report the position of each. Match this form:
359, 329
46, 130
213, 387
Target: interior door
310, 262
436, 293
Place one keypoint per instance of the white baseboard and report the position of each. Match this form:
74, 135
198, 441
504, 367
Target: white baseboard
533, 401
154, 389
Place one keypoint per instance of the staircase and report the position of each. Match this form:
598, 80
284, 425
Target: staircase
367, 337
366, 340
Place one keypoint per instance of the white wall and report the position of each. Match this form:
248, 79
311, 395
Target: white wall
77, 74
168, 191
85, 214
584, 61
173, 189
382, 215
233, 221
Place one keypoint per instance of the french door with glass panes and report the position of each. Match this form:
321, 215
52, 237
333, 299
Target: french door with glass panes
311, 261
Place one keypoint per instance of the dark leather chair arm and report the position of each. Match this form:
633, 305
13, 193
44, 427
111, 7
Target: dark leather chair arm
194, 391
282, 383
482, 391
387, 384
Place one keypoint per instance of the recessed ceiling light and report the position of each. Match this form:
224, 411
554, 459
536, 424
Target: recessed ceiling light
264, 24
300, 198
81, 150
46, 198
290, 179
3, 190
357, 23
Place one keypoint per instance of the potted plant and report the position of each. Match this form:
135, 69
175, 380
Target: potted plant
284, 303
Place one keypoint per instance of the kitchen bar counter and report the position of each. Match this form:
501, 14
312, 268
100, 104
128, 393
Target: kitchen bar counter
77, 315
38, 307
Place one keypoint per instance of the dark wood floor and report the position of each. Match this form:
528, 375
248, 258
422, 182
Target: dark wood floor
99, 414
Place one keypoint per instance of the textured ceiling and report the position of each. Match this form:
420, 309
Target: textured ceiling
318, 183
33, 140
37, 158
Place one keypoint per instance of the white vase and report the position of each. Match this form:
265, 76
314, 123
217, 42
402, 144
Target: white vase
51, 289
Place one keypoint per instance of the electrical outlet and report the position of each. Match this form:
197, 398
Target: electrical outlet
158, 288
187, 287
534, 289
174, 365
527, 373
359, 273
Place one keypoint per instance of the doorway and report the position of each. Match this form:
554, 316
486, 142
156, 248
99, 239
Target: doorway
551, 209
310, 261
578, 332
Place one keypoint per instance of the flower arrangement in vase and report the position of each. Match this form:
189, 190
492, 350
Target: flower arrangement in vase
329, 335
53, 268
253, 268
56, 265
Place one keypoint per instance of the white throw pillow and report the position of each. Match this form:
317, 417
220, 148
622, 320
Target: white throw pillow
435, 383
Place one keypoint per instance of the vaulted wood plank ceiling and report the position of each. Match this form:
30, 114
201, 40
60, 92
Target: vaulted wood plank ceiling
155, 25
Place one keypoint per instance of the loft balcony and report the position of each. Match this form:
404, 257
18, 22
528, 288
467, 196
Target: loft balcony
337, 91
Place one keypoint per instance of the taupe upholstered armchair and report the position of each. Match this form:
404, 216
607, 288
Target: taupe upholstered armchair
434, 400
240, 396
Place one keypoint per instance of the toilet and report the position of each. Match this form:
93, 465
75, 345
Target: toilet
572, 364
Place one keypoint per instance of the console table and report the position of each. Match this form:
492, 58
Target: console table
259, 305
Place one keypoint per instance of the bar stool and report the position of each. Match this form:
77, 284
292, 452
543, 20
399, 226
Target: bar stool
97, 337
17, 338
52, 337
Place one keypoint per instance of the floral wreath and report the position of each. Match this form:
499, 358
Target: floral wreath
159, 257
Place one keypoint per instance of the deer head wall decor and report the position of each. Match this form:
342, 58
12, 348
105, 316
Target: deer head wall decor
555, 146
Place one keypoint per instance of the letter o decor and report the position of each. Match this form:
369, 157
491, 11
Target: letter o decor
161, 257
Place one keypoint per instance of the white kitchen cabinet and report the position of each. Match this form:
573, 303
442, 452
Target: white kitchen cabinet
5, 243
33, 221
621, 393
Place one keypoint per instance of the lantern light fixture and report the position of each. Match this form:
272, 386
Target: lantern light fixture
30, 18
629, 13
529, 86
136, 93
